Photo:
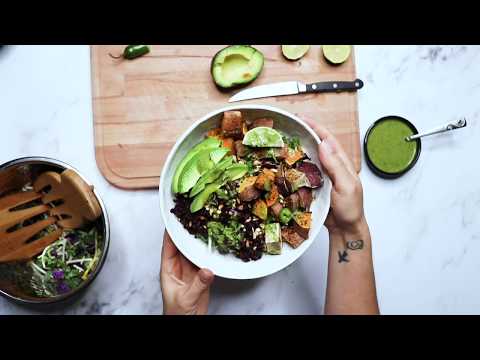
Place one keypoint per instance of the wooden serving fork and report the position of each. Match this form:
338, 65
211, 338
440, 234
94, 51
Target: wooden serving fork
78, 206
79, 203
15, 245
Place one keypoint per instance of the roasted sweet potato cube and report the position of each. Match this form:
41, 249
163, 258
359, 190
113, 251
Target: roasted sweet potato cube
265, 180
293, 156
260, 209
290, 236
272, 196
302, 223
275, 209
247, 190
292, 201
232, 124
281, 185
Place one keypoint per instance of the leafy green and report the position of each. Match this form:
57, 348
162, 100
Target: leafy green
64, 264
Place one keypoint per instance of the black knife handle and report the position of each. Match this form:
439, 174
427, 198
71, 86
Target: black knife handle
334, 86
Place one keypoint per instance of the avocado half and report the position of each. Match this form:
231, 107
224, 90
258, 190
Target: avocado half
236, 65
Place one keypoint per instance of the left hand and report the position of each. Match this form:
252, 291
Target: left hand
185, 288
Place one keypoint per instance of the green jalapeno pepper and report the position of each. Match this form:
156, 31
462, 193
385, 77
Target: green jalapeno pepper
133, 51
285, 216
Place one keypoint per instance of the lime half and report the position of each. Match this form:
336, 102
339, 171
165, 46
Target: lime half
336, 54
263, 137
294, 52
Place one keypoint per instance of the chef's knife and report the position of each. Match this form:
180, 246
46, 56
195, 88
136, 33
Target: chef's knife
296, 87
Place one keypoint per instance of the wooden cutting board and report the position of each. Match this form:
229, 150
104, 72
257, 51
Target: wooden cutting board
142, 106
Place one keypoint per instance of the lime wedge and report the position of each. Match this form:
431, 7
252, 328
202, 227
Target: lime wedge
294, 52
263, 137
336, 54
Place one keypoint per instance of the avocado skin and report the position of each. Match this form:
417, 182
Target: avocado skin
236, 85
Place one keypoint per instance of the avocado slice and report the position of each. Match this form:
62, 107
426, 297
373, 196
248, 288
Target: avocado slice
211, 175
198, 165
201, 199
273, 240
218, 154
236, 65
235, 172
209, 143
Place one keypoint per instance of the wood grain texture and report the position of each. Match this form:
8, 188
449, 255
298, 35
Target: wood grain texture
142, 106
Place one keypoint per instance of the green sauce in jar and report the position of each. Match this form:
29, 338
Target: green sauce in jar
387, 148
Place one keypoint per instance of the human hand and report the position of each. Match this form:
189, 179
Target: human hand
346, 212
185, 288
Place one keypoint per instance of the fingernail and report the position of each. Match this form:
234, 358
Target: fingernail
326, 146
206, 276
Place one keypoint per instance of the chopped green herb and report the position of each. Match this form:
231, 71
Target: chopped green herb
251, 167
293, 142
225, 238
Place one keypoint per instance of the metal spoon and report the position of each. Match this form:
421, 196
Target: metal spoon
450, 126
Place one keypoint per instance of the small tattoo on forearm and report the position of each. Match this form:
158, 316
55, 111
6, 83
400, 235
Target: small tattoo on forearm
342, 257
355, 245
351, 245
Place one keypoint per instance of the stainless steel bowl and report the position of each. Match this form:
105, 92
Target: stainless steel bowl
9, 289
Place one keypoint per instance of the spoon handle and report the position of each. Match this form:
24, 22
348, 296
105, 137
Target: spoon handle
450, 126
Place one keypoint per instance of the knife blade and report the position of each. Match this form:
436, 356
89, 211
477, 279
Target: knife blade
294, 88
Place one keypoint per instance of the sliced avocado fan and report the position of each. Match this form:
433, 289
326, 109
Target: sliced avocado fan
233, 172
209, 143
236, 65
198, 165
211, 175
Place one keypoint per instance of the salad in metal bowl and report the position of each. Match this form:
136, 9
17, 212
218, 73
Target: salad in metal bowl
62, 266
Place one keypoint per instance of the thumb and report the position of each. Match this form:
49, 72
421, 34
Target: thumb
333, 164
201, 282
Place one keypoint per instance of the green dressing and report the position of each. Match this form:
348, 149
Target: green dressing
387, 148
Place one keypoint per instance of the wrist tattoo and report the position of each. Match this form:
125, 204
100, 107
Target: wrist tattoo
351, 245
342, 256
355, 245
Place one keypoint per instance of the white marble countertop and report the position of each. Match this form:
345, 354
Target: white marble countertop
425, 226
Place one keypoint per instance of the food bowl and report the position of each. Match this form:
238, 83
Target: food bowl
228, 266
10, 286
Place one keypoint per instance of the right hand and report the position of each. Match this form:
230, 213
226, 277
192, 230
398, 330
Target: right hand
346, 212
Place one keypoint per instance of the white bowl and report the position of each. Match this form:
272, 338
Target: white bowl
228, 266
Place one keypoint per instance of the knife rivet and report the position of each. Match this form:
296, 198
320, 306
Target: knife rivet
335, 86
314, 87
357, 84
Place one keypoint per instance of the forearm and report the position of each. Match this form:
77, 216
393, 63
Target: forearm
351, 280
